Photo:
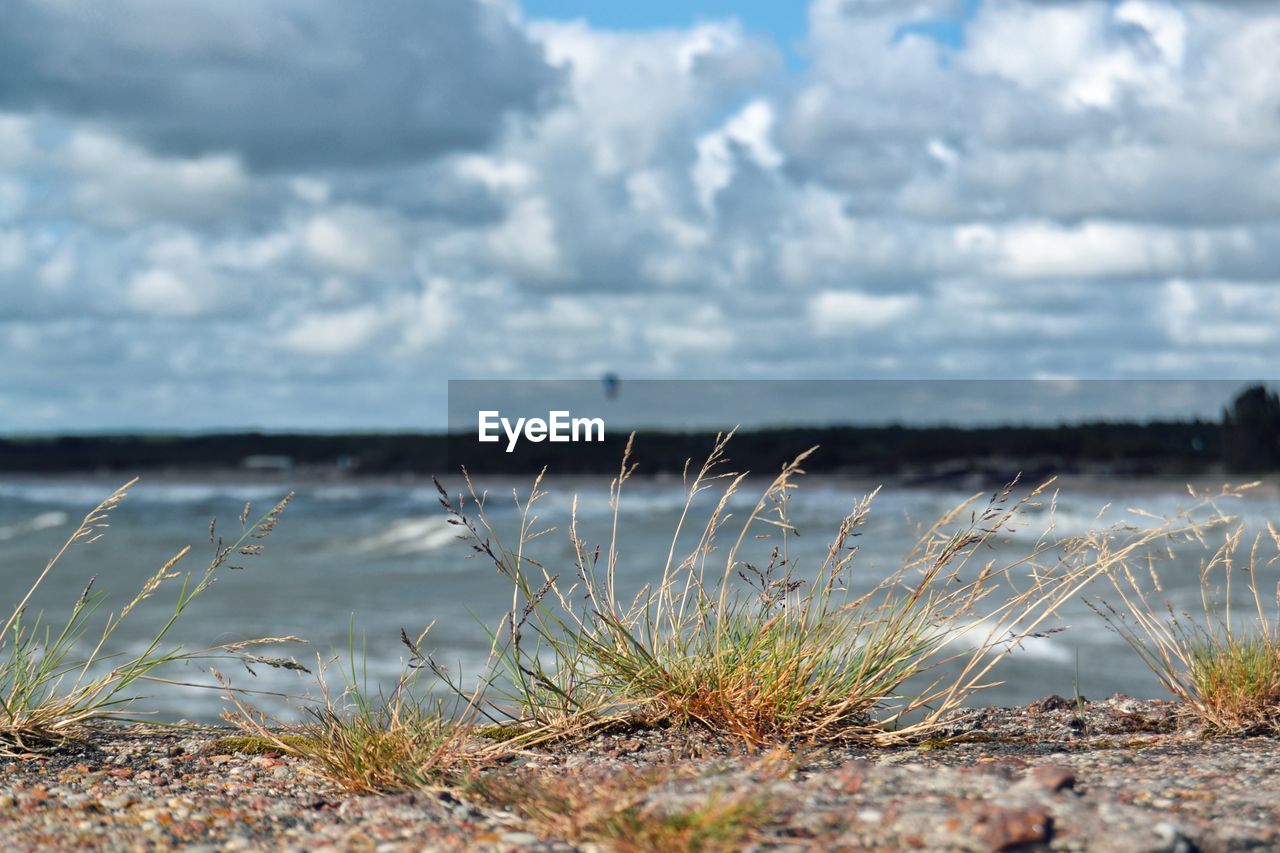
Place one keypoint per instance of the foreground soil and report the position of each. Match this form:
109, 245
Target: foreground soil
1122, 775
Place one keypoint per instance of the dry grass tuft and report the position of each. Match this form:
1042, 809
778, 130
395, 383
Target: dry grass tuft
375, 743
734, 637
253, 745
622, 811
396, 747
1223, 666
54, 682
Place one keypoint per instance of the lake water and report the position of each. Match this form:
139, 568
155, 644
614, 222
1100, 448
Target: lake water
381, 557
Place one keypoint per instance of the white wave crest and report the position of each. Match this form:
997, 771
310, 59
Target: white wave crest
410, 536
43, 521
975, 633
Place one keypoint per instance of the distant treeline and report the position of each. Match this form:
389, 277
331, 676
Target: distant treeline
918, 452
1246, 439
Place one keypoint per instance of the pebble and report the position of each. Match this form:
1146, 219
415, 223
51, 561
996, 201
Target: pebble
1090, 791
1053, 777
519, 839
1006, 829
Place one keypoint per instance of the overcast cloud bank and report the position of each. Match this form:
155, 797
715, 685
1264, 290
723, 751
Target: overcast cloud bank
300, 214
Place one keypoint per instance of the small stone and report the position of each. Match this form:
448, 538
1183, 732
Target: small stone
519, 839
1124, 703
1053, 777
312, 801
34, 797
119, 803
1052, 702
1007, 829
1172, 838
851, 777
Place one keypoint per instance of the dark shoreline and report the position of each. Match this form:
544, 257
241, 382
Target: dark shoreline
915, 454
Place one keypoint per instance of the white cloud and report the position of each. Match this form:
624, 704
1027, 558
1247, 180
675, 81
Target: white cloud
845, 312
750, 130
525, 243
353, 241
1226, 315
121, 185
428, 315
334, 334
163, 293
1079, 54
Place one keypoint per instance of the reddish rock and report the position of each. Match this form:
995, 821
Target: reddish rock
1053, 777
851, 777
1007, 829
1052, 702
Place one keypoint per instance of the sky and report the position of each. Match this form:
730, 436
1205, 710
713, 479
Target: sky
312, 214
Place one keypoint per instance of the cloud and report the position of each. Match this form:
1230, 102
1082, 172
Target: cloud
118, 185
279, 83
353, 241
325, 212
849, 312
163, 293
749, 132
332, 334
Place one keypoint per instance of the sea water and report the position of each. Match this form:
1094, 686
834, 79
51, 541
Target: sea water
353, 563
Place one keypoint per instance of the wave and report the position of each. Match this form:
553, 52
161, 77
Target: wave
410, 536
86, 495
43, 521
975, 632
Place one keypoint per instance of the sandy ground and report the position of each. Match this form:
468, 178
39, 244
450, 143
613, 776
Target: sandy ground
1121, 775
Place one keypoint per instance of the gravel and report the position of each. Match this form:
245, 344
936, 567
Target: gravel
1119, 775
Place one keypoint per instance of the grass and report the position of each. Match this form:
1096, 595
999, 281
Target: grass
55, 680
721, 824
733, 637
1223, 666
373, 742
622, 811
249, 745
396, 747
1238, 682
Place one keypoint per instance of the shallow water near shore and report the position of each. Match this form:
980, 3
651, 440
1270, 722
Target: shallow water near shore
381, 557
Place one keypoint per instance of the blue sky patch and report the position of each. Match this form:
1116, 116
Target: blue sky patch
784, 20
